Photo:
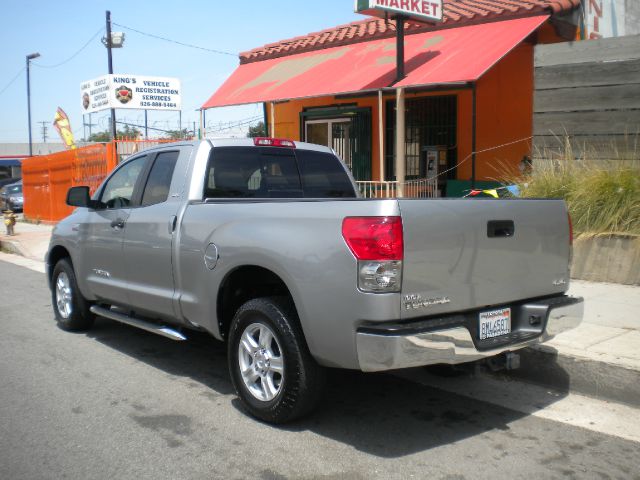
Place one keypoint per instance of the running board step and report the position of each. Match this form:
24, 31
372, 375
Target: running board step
138, 323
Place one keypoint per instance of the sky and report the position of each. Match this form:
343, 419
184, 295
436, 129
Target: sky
68, 37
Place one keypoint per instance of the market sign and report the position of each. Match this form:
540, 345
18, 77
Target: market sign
420, 10
130, 91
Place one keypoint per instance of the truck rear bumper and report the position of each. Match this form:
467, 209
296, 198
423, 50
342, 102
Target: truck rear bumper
432, 341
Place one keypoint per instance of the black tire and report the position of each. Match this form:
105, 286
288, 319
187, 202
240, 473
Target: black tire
78, 317
302, 381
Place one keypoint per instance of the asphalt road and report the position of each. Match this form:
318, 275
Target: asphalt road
125, 404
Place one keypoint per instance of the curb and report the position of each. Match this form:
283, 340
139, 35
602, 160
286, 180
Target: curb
11, 247
548, 367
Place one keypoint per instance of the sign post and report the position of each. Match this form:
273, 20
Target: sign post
429, 11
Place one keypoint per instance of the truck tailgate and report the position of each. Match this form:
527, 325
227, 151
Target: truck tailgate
462, 254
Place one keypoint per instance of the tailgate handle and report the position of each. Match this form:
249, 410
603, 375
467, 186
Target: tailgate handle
500, 228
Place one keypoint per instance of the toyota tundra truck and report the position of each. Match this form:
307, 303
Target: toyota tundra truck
266, 245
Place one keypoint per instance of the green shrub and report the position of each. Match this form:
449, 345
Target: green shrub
602, 196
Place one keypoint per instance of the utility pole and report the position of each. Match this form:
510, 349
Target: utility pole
89, 124
109, 45
43, 131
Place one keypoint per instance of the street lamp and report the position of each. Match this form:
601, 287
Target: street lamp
29, 58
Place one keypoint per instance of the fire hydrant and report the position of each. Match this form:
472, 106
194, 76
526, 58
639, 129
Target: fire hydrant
10, 221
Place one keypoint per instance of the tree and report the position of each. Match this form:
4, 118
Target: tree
126, 132
257, 130
178, 134
100, 137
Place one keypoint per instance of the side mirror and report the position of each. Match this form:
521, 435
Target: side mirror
79, 197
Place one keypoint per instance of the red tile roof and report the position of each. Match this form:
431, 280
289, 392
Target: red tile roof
455, 13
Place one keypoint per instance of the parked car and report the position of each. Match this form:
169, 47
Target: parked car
9, 180
11, 197
265, 244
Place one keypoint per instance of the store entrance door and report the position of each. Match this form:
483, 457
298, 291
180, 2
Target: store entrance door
334, 133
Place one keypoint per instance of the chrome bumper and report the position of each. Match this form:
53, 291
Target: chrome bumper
452, 345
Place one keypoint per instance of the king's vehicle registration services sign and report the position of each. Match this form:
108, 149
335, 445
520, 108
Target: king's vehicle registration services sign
420, 10
130, 91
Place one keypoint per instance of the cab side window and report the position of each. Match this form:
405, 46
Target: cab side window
118, 191
157, 188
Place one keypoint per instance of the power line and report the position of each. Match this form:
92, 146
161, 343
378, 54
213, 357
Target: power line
142, 126
72, 56
221, 52
13, 80
231, 126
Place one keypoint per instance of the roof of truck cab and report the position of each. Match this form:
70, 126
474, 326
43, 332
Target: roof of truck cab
249, 142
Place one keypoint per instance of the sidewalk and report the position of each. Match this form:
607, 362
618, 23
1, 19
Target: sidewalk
600, 358
30, 240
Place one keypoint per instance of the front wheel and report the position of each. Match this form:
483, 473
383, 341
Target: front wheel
70, 307
272, 370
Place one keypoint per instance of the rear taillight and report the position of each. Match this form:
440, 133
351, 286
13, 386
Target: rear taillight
273, 142
374, 238
570, 241
377, 244
570, 229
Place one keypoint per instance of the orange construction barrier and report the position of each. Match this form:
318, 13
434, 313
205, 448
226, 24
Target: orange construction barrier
46, 179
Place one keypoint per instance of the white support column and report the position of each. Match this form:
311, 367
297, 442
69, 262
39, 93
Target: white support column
381, 134
272, 123
400, 142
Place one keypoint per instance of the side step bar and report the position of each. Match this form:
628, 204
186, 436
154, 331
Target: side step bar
138, 323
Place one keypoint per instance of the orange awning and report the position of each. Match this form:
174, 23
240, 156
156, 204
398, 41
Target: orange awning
440, 57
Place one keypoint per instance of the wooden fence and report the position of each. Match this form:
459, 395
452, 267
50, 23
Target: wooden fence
587, 99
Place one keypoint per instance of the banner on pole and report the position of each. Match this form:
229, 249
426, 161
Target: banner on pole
63, 126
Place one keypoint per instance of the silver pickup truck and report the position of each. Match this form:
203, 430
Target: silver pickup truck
265, 244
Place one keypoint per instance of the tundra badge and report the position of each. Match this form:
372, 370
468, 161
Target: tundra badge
414, 301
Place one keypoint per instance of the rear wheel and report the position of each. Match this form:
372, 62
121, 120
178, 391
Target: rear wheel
272, 370
70, 307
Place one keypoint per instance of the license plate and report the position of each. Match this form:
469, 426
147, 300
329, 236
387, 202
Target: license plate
495, 323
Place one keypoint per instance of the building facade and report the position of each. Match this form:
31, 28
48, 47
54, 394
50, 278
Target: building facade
466, 92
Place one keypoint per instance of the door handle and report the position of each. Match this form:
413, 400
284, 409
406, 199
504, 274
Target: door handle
172, 223
117, 224
500, 228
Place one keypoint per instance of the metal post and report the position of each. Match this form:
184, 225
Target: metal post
113, 111
29, 58
180, 123
400, 142
400, 47
473, 136
273, 120
381, 134
146, 126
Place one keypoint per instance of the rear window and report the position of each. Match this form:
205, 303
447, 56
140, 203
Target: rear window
244, 172
269, 172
